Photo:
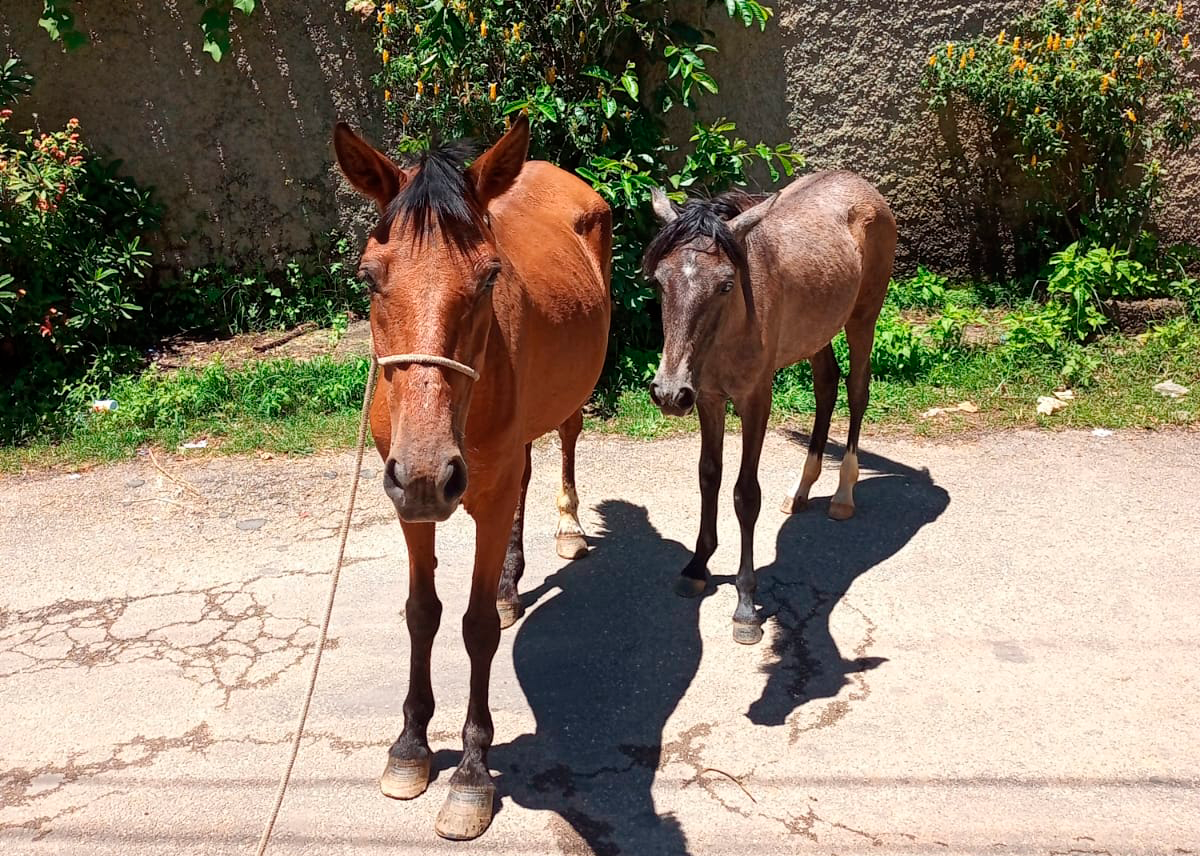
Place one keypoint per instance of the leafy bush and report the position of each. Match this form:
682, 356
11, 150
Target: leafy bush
596, 78
1084, 96
71, 260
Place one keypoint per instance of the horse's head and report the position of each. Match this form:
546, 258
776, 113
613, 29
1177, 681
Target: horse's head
430, 265
697, 259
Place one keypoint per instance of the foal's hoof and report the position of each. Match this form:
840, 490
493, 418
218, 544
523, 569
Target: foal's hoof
793, 504
509, 612
570, 546
747, 634
404, 780
840, 510
466, 813
689, 587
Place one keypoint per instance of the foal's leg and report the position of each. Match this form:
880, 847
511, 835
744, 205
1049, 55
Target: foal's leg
693, 579
569, 540
825, 387
407, 771
747, 500
860, 334
508, 601
467, 810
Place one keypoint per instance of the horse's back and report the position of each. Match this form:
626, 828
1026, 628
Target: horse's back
822, 244
557, 233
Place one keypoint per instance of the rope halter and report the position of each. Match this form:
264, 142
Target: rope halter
428, 360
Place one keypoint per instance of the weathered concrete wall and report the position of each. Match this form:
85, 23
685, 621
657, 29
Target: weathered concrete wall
841, 81
239, 151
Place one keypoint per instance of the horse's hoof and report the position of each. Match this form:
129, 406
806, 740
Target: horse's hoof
404, 780
747, 634
509, 612
840, 511
466, 813
571, 546
793, 504
689, 587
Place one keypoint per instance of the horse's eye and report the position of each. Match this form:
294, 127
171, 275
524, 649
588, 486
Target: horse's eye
727, 286
491, 279
364, 276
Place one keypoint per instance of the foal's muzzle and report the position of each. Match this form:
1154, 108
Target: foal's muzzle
425, 492
671, 396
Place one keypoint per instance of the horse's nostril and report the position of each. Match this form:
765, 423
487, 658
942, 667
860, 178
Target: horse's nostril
686, 397
392, 472
454, 481
654, 396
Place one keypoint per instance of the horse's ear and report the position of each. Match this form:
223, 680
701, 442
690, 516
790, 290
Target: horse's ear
494, 171
371, 172
748, 219
664, 208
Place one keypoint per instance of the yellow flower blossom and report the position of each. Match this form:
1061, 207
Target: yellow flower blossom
1179, 11
971, 53
1016, 44
387, 95
1158, 34
1117, 53
1037, 110
1070, 42
1078, 12
1104, 82
1033, 160
483, 29
1050, 42
1000, 38
962, 62
949, 49
1186, 41
383, 30
437, 87
420, 88
1131, 116
379, 18
1059, 127
388, 8
385, 56
933, 59
582, 37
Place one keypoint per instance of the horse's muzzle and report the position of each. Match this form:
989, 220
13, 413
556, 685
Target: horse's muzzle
425, 493
672, 397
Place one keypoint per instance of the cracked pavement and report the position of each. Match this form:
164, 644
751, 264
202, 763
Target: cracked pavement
997, 655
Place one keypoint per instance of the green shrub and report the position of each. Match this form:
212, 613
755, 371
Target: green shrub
1084, 96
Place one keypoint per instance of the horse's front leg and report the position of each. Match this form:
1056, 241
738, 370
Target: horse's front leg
693, 579
467, 810
747, 500
407, 772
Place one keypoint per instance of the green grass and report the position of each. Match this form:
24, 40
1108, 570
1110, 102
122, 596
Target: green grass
287, 407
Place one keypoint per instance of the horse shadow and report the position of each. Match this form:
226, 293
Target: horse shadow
609, 651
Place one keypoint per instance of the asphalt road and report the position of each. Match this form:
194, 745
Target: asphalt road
997, 655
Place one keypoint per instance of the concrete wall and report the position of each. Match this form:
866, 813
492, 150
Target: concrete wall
238, 151
240, 155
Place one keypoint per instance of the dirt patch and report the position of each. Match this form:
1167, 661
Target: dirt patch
1136, 316
300, 343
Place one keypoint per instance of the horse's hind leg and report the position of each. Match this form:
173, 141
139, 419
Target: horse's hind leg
508, 602
825, 387
569, 540
860, 335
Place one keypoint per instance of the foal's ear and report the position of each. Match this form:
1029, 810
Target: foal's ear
748, 219
494, 171
371, 172
664, 208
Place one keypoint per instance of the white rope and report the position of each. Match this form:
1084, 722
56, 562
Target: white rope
368, 393
429, 360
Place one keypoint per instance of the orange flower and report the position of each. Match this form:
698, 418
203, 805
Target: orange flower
1187, 41
949, 49
1131, 116
933, 59
385, 56
492, 92
387, 95
1179, 11
420, 88
1000, 38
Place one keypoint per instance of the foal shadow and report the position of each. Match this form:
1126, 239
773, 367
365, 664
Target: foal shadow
609, 651
603, 662
816, 562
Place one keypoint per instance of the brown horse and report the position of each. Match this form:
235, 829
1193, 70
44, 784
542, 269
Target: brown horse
489, 316
811, 260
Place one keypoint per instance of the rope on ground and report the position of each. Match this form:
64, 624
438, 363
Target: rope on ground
333, 584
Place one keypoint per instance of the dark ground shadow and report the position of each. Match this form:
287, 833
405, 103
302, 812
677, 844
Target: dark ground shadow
609, 651
816, 561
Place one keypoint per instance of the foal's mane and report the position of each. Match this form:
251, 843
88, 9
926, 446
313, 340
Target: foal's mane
437, 196
702, 218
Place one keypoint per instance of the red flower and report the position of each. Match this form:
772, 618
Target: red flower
46, 329
74, 138
72, 123
5, 113
43, 205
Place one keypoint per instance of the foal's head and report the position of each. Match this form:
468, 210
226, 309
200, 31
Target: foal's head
430, 266
698, 260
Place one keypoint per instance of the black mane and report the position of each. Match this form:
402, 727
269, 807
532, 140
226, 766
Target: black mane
438, 196
702, 218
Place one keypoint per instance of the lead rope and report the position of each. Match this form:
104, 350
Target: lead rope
368, 394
